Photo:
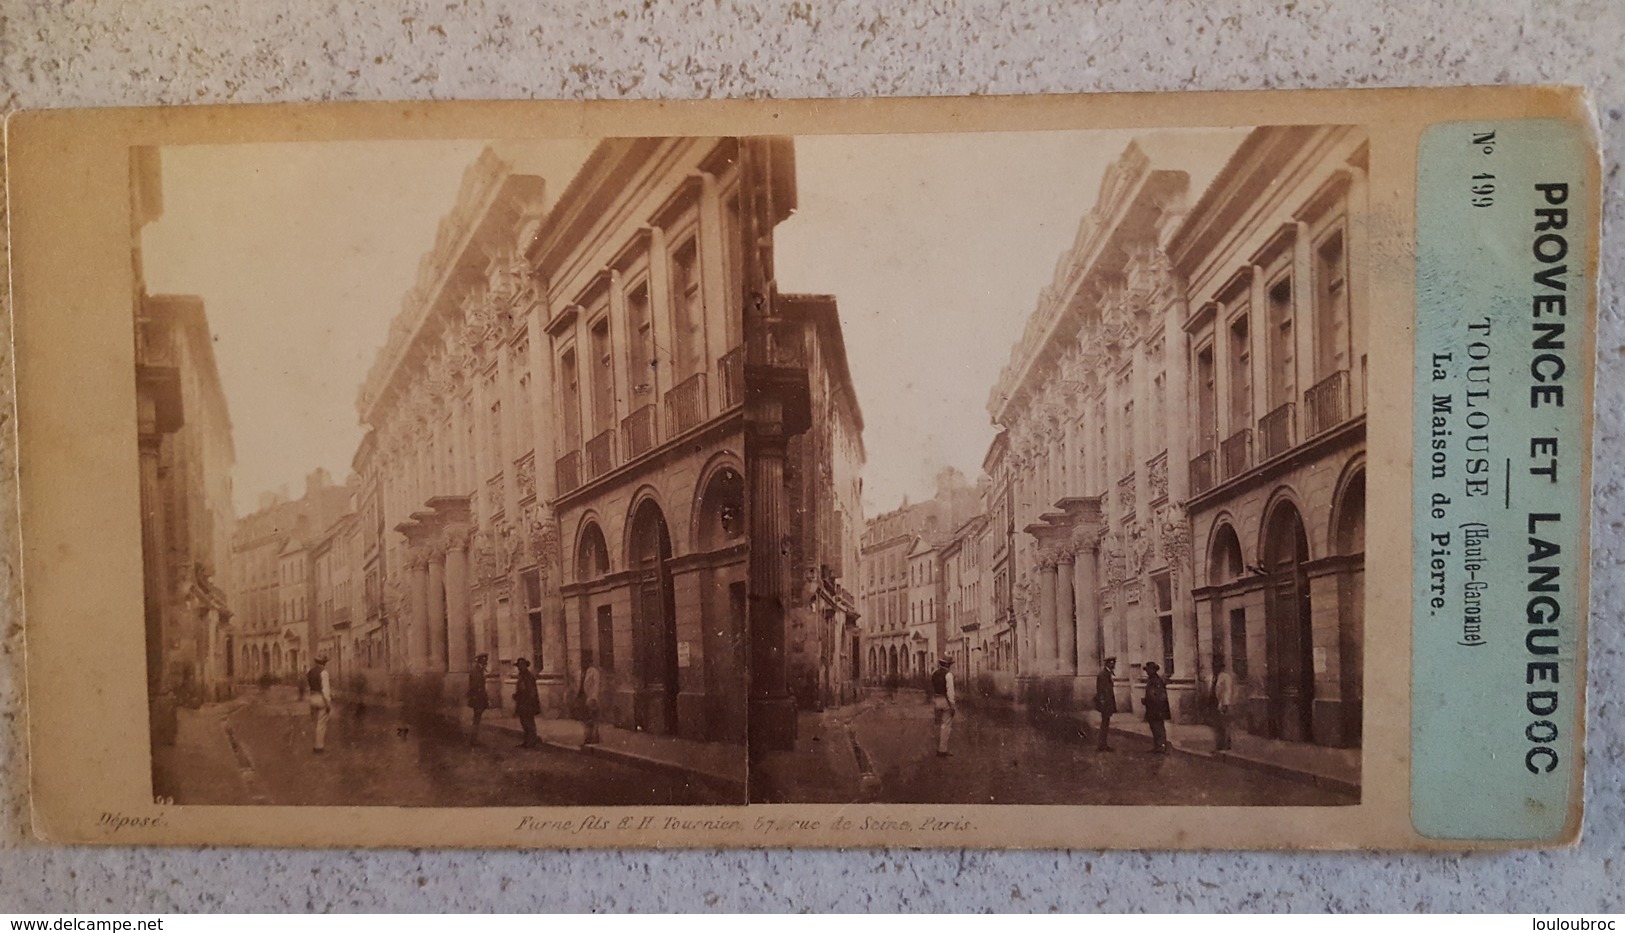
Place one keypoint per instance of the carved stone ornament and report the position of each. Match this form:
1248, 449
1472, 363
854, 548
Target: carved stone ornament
1139, 550
1113, 561
456, 537
484, 550
544, 540
418, 558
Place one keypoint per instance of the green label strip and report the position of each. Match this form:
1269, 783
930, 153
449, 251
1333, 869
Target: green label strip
1503, 217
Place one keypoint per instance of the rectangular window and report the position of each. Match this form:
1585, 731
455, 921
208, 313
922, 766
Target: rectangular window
640, 353
1238, 644
1283, 344
570, 385
688, 310
603, 379
1206, 401
1165, 620
1331, 306
1241, 374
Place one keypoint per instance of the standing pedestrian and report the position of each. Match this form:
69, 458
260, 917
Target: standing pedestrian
527, 703
320, 694
478, 700
1106, 701
592, 692
942, 703
1156, 707
1224, 697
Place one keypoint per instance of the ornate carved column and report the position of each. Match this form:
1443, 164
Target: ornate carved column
437, 608
417, 564
460, 633
1091, 634
1066, 648
1047, 645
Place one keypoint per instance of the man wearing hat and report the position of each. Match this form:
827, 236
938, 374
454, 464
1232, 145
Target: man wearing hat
1106, 701
478, 700
321, 701
942, 702
1156, 707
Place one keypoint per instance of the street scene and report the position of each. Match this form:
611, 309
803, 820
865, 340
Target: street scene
256, 751
1079, 515
438, 435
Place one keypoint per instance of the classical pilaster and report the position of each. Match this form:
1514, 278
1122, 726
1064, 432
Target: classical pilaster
454, 542
437, 609
417, 564
1066, 651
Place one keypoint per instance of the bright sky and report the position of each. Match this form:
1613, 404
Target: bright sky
936, 248
302, 253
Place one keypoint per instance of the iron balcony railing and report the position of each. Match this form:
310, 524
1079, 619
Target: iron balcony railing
1275, 431
638, 432
1326, 404
601, 454
567, 471
1237, 452
1202, 478
731, 370
685, 405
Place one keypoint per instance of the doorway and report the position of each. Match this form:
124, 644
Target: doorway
1287, 626
654, 620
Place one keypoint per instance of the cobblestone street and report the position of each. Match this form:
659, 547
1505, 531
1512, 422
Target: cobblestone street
260, 753
1000, 758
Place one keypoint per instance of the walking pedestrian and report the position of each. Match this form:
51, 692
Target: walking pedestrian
320, 694
527, 703
942, 703
1106, 701
1224, 698
1156, 707
478, 700
592, 691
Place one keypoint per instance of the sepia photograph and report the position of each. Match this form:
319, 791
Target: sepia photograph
980, 472
1080, 515
441, 465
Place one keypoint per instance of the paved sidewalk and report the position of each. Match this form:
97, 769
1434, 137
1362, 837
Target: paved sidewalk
1332, 768
720, 766
202, 767
827, 765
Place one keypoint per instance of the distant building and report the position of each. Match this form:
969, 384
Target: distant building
270, 558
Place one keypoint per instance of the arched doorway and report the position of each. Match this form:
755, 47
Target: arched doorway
1287, 621
1348, 541
654, 620
595, 621
891, 661
1228, 612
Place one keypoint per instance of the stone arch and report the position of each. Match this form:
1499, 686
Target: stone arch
591, 552
719, 505
645, 494
1225, 561
1347, 535
654, 615
1284, 556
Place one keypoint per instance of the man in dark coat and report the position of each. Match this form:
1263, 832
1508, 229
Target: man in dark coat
478, 700
1156, 707
527, 703
1106, 701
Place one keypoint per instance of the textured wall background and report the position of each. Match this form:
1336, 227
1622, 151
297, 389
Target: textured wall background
80, 53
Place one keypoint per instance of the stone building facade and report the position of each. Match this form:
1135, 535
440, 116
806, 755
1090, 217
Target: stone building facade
554, 464
184, 460
1191, 380
823, 469
1275, 257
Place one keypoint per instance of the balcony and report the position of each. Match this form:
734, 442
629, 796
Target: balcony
1326, 405
638, 432
1275, 431
731, 370
1236, 453
685, 405
341, 618
1202, 477
567, 472
601, 454
1156, 475
524, 474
